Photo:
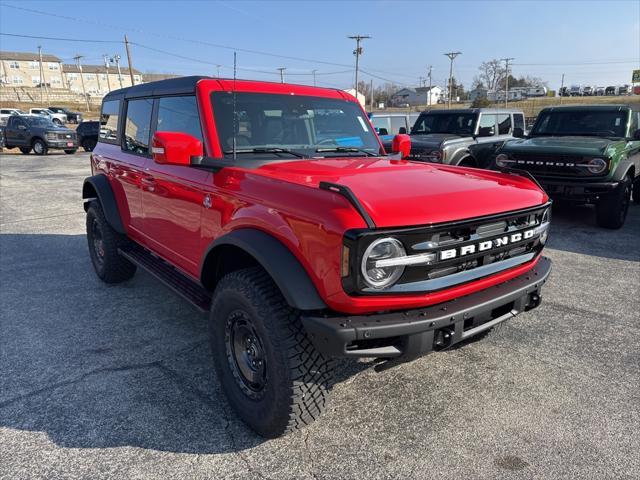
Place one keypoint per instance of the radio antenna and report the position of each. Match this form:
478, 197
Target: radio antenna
235, 113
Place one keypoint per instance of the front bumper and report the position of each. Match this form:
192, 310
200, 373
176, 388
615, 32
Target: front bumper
577, 191
413, 333
64, 144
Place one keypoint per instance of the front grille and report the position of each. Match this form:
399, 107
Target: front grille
553, 165
66, 136
479, 246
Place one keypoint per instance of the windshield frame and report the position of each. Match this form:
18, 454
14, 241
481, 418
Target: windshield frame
475, 116
598, 133
352, 112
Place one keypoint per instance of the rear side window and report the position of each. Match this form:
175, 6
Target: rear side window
138, 126
518, 121
396, 124
488, 121
179, 114
109, 121
504, 124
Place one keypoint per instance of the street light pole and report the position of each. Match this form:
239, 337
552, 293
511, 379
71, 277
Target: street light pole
429, 101
106, 68
116, 58
84, 92
451, 56
314, 77
281, 70
357, 52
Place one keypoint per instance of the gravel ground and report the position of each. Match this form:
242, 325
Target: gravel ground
102, 381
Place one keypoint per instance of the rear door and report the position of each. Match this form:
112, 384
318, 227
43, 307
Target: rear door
174, 196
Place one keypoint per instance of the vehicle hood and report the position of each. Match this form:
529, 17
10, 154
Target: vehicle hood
434, 140
399, 193
587, 146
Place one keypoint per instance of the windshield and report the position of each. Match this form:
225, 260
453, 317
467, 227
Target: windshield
587, 123
455, 123
39, 122
306, 126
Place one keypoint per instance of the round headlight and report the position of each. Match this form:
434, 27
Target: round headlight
502, 160
596, 165
382, 249
435, 156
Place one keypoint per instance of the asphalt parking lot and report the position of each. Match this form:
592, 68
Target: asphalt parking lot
102, 381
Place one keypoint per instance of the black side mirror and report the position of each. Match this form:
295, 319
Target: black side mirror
486, 131
518, 132
383, 131
402, 131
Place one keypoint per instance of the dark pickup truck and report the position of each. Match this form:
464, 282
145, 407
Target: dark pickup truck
32, 132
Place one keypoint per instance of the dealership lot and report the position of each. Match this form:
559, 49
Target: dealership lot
116, 381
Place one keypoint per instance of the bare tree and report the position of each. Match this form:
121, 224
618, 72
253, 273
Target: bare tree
492, 74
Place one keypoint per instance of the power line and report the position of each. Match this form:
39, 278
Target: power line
38, 37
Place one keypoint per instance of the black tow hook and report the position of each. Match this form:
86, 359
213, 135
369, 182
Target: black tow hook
534, 301
443, 338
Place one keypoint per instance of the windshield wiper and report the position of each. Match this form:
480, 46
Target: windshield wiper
274, 150
345, 150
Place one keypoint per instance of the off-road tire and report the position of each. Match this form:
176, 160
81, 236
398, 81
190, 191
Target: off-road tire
468, 162
39, 146
110, 267
297, 377
25, 150
636, 190
71, 151
611, 210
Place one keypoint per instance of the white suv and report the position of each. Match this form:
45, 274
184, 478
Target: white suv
58, 118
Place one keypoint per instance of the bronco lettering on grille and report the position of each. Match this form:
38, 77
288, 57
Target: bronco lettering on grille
486, 245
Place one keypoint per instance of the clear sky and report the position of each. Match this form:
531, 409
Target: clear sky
592, 42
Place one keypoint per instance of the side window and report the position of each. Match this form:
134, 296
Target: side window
487, 124
381, 122
504, 124
109, 121
396, 123
138, 126
518, 121
179, 114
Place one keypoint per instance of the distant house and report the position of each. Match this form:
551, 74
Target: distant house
417, 96
361, 98
479, 92
22, 69
98, 80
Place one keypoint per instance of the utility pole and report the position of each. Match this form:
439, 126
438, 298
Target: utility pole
218, 70
421, 80
281, 70
84, 92
429, 101
561, 92
357, 52
43, 83
116, 58
451, 56
106, 68
313, 72
506, 80
126, 44
371, 92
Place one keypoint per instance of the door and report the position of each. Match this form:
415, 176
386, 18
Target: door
487, 140
174, 196
15, 133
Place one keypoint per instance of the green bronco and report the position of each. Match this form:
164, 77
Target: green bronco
585, 154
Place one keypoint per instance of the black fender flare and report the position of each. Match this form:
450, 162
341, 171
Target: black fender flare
278, 261
102, 188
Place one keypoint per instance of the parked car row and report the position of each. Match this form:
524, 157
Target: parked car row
588, 90
59, 115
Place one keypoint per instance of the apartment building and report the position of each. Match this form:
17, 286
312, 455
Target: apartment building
23, 69
98, 80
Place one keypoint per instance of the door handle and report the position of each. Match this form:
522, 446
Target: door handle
148, 182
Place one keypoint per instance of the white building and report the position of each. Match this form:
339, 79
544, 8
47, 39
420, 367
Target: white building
361, 98
417, 96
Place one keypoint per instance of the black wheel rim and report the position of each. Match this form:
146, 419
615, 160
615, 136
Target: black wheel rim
98, 242
245, 354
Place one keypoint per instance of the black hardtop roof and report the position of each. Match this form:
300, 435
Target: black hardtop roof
171, 86
472, 110
589, 108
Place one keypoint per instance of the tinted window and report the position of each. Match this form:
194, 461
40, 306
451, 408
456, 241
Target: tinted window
138, 125
179, 114
518, 120
583, 122
456, 123
504, 124
381, 122
109, 120
487, 121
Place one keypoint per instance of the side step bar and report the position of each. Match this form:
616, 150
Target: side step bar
171, 277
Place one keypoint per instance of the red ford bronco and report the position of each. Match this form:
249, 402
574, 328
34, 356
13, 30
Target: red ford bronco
275, 208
